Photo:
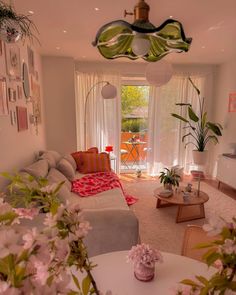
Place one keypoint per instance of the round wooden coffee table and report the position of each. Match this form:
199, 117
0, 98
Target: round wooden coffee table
188, 209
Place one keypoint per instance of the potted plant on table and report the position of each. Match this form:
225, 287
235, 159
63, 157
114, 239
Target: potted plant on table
169, 178
201, 131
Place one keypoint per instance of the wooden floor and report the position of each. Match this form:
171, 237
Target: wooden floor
131, 177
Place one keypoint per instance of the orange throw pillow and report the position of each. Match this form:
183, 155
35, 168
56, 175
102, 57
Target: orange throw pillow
79, 156
95, 163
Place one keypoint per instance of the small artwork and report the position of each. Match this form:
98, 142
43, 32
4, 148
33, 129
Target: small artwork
13, 61
232, 102
12, 94
0, 47
13, 117
30, 60
19, 92
3, 98
22, 119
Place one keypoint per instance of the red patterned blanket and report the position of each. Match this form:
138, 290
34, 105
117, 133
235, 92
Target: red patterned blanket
95, 183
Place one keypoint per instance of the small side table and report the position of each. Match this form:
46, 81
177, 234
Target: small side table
113, 160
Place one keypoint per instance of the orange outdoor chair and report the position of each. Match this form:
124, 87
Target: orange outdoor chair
193, 236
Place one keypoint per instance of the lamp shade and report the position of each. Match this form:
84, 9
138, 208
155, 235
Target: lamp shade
160, 73
109, 91
140, 45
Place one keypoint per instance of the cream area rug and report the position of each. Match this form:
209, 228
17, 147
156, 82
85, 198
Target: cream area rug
158, 227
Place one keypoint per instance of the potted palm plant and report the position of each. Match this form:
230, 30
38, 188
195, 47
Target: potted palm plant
169, 178
201, 131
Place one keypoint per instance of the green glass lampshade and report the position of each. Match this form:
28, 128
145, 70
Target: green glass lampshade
116, 39
141, 39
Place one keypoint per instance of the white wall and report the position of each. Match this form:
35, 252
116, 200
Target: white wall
19, 148
225, 83
59, 93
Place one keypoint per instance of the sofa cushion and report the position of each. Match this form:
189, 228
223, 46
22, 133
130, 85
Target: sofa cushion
71, 160
49, 158
79, 156
53, 154
55, 175
66, 169
37, 169
95, 163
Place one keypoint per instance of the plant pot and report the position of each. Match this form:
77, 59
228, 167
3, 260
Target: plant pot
168, 186
144, 273
200, 158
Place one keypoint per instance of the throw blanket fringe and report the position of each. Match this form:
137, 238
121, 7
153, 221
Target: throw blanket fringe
95, 183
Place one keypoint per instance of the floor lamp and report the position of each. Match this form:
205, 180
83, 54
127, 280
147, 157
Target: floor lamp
108, 91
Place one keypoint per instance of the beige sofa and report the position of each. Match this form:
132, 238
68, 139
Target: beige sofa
114, 225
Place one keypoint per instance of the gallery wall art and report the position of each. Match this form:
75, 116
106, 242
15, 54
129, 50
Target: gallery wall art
13, 63
232, 102
3, 98
22, 119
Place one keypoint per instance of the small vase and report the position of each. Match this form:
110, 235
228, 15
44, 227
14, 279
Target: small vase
143, 272
168, 186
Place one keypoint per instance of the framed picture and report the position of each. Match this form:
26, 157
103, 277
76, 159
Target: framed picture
19, 92
22, 118
30, 60
0, 47
13, 117
11, 94
232, 102
13, 63
3, 97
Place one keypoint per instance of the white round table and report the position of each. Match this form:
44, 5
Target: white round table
114, 273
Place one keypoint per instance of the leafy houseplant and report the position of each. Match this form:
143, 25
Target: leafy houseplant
14, 26
169, 177
201, 131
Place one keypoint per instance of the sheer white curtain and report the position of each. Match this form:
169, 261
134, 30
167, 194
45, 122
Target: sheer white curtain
165, 147
103, 115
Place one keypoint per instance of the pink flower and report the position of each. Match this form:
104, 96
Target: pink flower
215, 226
26, 213
229, 247
144, 254
41, 271
10, 242
83, 230
29, 238
49, 189
218, 264
3, 286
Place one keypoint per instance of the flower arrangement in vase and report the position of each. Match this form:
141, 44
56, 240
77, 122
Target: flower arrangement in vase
222, 255
144, 259
169, 178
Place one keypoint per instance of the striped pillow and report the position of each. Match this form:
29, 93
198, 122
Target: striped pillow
78, 156
95, 163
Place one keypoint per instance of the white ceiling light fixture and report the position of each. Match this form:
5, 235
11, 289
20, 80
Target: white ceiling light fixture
158, 74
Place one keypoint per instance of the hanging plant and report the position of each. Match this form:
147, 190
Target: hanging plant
13, 26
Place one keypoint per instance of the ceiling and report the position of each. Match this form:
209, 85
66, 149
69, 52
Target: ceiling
211, 24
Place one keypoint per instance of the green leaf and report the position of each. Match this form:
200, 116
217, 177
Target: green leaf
203, 280
192, 115
203, 245
179, 117
214, 128
86, 285
194, 86
76, 281
211, 258
204, 118
189, 282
